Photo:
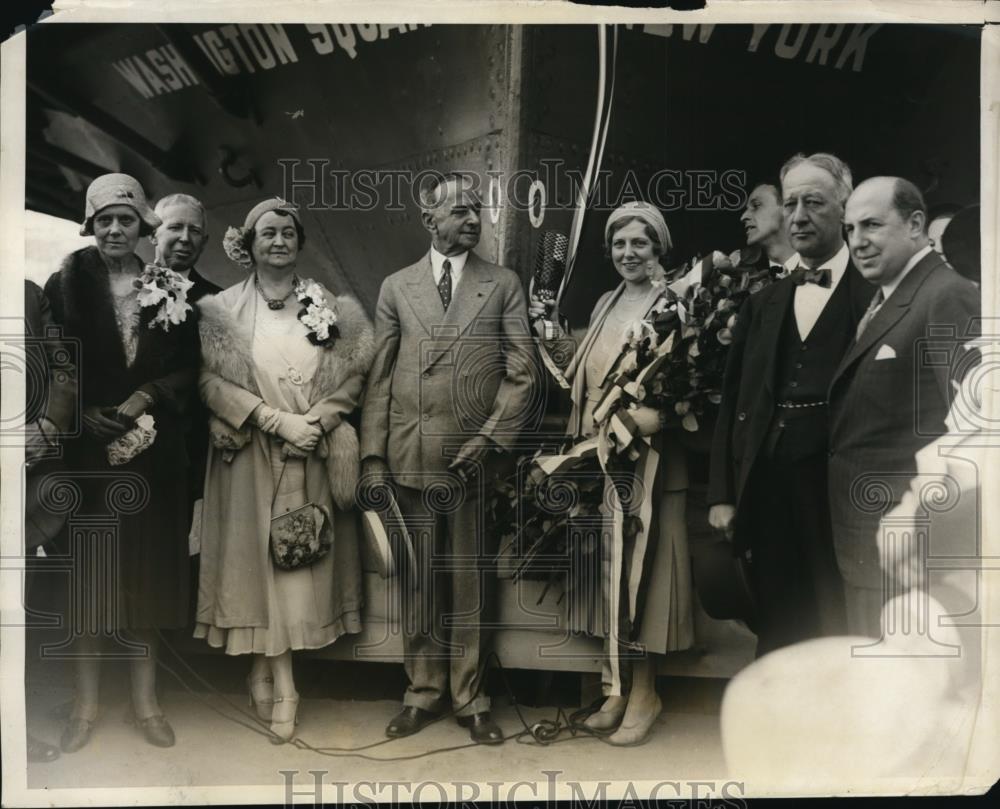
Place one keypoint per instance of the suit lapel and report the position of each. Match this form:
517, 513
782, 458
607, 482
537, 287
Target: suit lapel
859, 291
777, 308
470, 296
422, 294
891, 312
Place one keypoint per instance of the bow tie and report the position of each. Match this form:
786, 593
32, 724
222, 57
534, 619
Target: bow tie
800, 276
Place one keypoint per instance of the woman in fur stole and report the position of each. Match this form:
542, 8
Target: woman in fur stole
283, 365
138, 359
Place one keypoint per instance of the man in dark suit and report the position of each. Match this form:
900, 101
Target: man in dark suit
179, 242
452, 385
768, 486
891, 392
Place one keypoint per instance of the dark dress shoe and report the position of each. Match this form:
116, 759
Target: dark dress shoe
408, 721
482, 728
157, 730
76, 734
39, 751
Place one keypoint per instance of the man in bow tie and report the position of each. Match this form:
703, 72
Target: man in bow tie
452, 385
768, 485
891, 392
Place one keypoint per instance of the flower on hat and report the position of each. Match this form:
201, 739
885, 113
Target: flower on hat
234, 243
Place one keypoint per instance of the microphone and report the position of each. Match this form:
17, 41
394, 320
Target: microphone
550, 265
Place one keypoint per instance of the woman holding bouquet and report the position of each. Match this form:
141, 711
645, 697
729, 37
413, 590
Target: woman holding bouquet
650, 599
284, 362
138, 356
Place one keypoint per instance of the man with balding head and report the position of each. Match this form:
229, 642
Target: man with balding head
768, 485
892, 390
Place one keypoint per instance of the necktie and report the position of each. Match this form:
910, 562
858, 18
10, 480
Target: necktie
444, 285
869, 315
800, 275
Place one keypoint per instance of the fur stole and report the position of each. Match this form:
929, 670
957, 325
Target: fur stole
225, 325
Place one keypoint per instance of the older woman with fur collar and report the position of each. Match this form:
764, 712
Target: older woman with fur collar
138, 363
284, 362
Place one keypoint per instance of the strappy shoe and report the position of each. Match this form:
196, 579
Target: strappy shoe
283, 730
155, 729
261, 692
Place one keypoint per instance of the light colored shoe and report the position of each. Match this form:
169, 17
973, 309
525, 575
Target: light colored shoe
610, 715
635, 730
261, 693
282, 725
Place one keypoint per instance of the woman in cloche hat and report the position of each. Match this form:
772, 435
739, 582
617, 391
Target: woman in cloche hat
138, 356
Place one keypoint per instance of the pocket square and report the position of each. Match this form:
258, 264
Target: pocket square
885, 352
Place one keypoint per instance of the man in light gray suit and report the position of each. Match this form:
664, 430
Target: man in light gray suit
452, 385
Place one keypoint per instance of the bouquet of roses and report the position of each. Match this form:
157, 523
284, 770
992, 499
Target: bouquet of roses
162, 287
675, 358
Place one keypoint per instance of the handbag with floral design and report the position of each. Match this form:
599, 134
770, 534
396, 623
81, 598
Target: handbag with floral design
300, 536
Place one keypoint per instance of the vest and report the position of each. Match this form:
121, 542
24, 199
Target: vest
804, 371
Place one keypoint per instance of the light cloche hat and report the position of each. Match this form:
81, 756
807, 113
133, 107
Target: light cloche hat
117, 189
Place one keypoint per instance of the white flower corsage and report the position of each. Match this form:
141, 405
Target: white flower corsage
162, 287
316, 314
233, 243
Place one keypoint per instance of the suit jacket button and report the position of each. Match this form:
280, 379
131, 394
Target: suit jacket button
426, 417
742, 417
781, 423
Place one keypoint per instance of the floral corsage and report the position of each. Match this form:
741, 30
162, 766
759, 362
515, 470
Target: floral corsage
162, 287
234, 243
316, 314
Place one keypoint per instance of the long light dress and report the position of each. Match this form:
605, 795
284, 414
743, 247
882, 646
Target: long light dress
667, 622
285, 363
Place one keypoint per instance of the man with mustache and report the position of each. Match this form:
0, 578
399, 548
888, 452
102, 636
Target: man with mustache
892, 391
452, 385
768, 485
179, 242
